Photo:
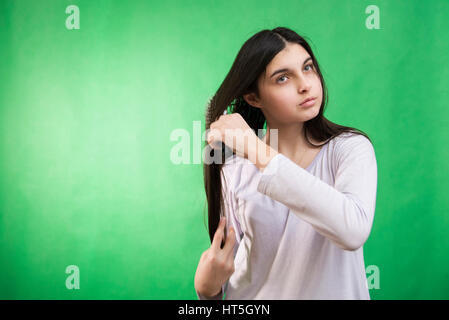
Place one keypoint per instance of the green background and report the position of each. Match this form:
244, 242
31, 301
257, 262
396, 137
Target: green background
86, 117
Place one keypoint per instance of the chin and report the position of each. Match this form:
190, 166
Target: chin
311, 112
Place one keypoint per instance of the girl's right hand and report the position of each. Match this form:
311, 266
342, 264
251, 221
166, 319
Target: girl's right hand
216, 265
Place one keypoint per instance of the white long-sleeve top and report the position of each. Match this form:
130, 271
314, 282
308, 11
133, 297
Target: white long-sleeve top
300, 232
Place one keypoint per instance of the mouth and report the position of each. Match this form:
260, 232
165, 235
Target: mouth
308, 102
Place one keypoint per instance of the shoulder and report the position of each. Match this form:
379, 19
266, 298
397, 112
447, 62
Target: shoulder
348, 139
352, 146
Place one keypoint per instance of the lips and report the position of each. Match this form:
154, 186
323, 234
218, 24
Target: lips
308, 99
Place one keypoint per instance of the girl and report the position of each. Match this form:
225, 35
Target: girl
299, 212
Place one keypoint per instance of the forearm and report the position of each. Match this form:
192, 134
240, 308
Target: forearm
345, 216
204, 295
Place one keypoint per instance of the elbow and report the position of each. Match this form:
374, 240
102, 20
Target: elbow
352, 246
355, 234
355, 240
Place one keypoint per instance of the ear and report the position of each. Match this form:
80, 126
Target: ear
252, 100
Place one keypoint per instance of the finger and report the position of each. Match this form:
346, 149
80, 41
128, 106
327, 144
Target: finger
204, 255
230, 242
218, 236
213, 136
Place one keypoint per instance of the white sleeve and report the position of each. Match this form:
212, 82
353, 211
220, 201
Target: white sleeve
343, 213
230, 206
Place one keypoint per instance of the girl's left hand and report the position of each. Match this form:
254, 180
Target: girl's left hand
235, 133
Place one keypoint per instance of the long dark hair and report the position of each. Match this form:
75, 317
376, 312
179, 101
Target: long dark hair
251, 61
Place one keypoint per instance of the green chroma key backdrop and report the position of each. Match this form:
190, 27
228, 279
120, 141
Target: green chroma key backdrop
93, 92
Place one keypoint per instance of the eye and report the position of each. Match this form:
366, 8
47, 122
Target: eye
283, 76
309, 65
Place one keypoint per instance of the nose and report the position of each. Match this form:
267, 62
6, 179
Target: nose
304, 85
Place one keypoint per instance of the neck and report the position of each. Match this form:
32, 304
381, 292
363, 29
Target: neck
291, 141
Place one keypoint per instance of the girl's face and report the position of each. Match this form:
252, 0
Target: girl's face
290, 78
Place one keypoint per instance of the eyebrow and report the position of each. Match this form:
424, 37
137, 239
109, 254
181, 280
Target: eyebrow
287, 69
